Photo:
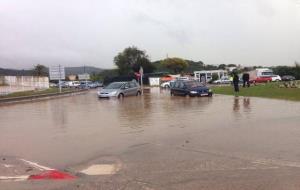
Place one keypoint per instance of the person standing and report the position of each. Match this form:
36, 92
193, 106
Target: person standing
236, 82
246, 78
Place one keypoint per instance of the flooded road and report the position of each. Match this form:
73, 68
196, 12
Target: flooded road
166, 142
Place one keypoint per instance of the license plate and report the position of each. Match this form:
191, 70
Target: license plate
204, 95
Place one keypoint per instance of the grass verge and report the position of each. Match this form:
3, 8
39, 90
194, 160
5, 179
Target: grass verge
270, 90
35, 92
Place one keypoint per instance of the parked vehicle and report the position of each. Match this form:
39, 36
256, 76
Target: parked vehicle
120, 90
63, 84
165, 84
85, 84
261, 80
190, 88
263, 75
224, 80
51, 84
72, 84
168, 84
288, 78
97, 84
276, 78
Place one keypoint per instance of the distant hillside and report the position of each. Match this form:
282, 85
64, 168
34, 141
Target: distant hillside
69, 71
80, 70
15, 72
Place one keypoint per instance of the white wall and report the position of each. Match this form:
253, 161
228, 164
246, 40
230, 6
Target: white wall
27, 81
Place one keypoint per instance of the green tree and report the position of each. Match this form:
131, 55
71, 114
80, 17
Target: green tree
40, 70
215, 77
222, 66
131, 59
176, 65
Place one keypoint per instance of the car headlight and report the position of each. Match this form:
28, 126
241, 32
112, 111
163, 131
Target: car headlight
193, 92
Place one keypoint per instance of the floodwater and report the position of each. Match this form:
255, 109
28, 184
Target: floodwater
68, 131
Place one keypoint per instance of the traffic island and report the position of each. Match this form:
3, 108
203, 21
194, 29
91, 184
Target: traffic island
27, 96
274, 90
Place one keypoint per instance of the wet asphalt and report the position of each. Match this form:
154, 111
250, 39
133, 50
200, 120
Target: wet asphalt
159, 141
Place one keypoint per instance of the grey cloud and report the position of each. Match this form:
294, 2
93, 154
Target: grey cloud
171, 30
77, 32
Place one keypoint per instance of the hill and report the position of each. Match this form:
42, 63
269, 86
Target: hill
80, 70
69, 71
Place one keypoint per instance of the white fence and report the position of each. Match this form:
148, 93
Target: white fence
12, 84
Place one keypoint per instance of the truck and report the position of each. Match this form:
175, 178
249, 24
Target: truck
263, 75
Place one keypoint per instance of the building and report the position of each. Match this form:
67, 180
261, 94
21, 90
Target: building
206, 76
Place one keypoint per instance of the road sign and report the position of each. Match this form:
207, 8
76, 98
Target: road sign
141, 71
57, 73
84, 76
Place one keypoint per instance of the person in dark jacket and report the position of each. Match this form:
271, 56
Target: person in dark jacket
236, 82
246, 78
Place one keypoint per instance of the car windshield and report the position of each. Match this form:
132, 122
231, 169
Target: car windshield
115, 85
192, 84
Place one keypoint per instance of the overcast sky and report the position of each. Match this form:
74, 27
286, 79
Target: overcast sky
92, 32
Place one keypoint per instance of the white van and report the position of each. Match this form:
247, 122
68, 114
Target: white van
73, 84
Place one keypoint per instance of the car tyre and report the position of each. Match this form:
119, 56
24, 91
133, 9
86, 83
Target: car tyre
138, 93
121, 96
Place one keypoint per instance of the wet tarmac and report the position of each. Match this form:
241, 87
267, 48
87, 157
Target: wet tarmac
158, 141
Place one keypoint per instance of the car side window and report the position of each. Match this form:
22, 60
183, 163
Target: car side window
132, 85
181, 85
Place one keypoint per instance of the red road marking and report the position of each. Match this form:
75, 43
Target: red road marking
52, 175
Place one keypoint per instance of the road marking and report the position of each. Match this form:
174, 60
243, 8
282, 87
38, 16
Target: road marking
101, 169
8, 166
52, 175
14, 178
37, 166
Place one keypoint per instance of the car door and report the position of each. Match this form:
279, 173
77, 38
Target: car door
181, 89
175, 88
126, 90
133, 88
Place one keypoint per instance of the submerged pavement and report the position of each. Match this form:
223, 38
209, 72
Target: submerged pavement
156, 142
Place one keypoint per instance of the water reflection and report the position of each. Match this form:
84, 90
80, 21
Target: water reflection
237, 107
59, 114
246, 104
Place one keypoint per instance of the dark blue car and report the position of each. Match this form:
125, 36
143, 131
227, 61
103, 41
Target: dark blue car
190, 88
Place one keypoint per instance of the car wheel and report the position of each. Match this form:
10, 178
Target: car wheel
121, 96
138, 93
167, 86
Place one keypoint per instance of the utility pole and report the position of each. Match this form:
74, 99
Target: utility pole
141, 74
85, 76
59, 81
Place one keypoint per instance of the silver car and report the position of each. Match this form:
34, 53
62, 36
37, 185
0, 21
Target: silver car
120, 90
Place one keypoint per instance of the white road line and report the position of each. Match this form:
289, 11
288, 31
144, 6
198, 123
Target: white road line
14, 178
8, 166
37, 166
101, 169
